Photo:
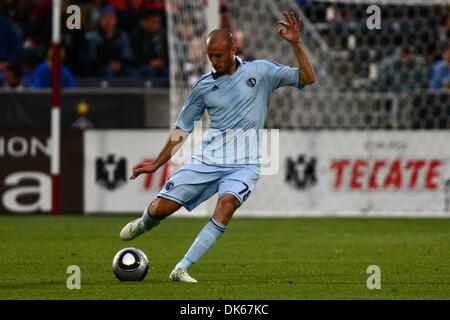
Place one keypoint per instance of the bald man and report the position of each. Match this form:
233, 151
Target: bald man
236, 96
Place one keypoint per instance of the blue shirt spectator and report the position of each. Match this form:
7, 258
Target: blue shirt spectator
42, 75
440, 71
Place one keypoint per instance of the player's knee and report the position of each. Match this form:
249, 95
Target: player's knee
226, 207
229, 202
229, 207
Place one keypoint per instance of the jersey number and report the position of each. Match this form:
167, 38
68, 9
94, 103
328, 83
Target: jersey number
245, 189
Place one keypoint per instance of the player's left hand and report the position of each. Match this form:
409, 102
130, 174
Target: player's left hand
290, 29
143, 167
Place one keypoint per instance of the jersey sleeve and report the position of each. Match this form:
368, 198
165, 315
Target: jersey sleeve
192, 110
278, 75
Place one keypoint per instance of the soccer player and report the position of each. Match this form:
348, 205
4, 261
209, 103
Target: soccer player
236, 97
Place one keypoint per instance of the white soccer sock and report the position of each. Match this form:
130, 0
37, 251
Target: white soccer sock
148, 222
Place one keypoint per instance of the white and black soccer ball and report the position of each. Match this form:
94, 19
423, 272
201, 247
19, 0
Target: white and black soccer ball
130, 264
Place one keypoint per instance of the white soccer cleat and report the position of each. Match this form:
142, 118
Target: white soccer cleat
181, 275
132, 230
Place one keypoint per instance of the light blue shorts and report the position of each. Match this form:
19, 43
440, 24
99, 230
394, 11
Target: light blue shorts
195, 182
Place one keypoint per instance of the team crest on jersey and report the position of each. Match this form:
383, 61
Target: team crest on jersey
169, 185
251, 82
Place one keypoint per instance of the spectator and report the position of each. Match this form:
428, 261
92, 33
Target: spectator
36, 32
91, 13
443, 31
13, 76
149, 42
40, 26
226, 22
440, 71
191, 51
17, 11
109, 47
42, 76
402, 71
10, 42
74, 40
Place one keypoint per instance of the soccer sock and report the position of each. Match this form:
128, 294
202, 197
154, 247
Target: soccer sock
204, 241
148, 222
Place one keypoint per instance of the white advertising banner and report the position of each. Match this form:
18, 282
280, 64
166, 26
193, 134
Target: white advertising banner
109, 157
360, 173
343, 173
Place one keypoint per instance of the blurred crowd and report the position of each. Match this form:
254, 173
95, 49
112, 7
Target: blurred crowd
406, 70
128, 38
117, 38
410, 51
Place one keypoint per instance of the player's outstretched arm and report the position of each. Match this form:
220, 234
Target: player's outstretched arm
290, 31
173, 144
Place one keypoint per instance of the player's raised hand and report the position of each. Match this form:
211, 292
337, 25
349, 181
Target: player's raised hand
290, 29
143, 167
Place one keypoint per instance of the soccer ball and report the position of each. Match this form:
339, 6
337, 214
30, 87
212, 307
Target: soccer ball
130, 264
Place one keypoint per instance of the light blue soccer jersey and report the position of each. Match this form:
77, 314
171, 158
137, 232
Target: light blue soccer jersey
237, 107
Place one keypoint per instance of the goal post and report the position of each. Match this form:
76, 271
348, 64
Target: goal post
55, 159
188, 24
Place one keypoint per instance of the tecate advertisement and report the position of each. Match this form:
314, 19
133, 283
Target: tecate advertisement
393, 173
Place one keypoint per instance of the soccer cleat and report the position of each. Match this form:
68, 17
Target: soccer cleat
181, 275
132, 230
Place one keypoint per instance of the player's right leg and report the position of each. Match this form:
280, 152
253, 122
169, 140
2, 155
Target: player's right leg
158, 210
234, 188
207, 237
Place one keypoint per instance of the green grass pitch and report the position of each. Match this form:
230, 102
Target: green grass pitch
301, 258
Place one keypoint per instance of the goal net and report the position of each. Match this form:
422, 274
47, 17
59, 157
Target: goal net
187, 27
369, 135
358, 84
